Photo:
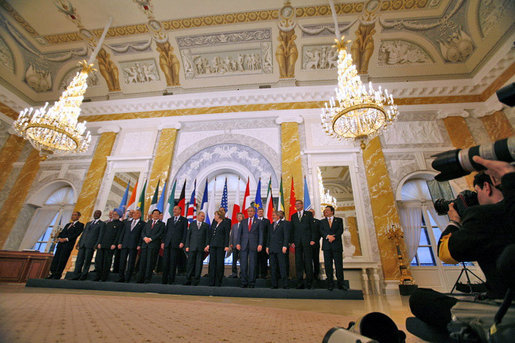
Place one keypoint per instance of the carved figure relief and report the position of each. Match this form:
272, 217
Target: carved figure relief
169, 63
38, 79
393, 52
457, 48
108, 70
363, 46
320, 57
139, 71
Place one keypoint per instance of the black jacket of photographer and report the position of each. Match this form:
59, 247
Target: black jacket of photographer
484, 233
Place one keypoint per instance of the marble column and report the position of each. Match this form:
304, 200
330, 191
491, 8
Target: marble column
291, 159
162, 161
354, 235
16, 199
8, 155
497, 125
382, 201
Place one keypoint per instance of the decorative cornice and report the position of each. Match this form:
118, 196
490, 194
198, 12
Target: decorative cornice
289, 119
110, 128
176, 126
442, 114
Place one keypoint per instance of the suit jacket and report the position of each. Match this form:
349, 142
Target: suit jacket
317, 227
131, 239
218, 236
336, 229
89, 237
234, 234
265, 226
71, 231
196, 237
302, 229
155, 234
109, 234
249, 240
278, 237
175, 232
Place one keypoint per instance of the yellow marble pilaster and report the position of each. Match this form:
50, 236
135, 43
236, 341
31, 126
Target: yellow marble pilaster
162, 162
16, 199
8, 155
497, 126
354, 236
382, 201
291, 162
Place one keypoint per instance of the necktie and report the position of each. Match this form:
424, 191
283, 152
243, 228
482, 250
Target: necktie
300, 215
133, 224
330, 222
275, 225
153, 222
175, 220
250, 224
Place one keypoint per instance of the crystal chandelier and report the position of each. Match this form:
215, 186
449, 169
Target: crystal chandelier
56, 129
356, 111
325, 197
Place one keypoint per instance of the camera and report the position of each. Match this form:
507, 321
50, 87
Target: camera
463, 201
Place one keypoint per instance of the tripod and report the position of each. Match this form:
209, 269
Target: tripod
465, 271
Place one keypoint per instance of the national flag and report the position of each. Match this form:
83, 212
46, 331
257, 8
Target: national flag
307, 201
280, 206
211, 204
246, 199
182, 199
123, 203
161, 202
258, 203
170, 204
192, 206
153, 204
225, 203
131, 205
236, 206
205, 203
292, 199
141, 201
269, 207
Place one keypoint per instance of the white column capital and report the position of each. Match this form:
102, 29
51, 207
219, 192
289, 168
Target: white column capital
442, 114
109, 128
176, 125
490, 106
289, 119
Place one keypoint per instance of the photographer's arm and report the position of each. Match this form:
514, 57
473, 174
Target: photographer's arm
508, 190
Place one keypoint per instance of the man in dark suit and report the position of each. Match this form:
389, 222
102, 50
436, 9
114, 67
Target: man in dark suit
173, 242
66, 241
196, 242
107, 240
262, 264
288, 228
150, 244
87, 245
277, 246
232, 244
332, 231
249, 243
217, 246
129, 243
303, 239
316, 247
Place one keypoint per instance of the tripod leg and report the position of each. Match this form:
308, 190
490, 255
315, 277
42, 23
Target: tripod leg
457, 280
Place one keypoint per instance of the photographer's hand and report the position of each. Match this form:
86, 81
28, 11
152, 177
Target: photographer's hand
496, 169
453, 215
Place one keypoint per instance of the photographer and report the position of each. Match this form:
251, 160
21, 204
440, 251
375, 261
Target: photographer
481, 235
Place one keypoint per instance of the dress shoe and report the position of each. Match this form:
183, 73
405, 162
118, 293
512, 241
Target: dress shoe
251, 286
139, 281
147, 281
96, 279
300, 286
187, 283
120, 280
75, 278
195, 283
285, 287
344, 288
274, 287
330, 287
243, 286
49, 277
83, 277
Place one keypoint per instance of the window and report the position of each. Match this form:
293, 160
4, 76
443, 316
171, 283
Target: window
44, 240
424, 255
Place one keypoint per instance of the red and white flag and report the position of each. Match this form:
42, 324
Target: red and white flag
246, 200
236, 207
269, 207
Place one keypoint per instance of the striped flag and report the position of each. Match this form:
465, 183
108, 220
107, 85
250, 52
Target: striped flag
236, 206
141, 201
168, 213
211, 204
280, 206
307, 200
161, 202
131, 205
182, 199
269, 209
224, 203
292, 199
205, 203
246, 199
192, 206
123, 203
153, 204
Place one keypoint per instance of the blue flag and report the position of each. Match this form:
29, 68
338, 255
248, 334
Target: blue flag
307, 201
123, 203
224, 203
161, 202
257, 202
204, 205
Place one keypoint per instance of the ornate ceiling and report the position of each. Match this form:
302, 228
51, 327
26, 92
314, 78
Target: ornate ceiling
159, 46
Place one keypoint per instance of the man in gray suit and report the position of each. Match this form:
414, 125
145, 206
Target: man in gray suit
232, 244
276, 247
196, 242
249, 243
86, 246
332, 230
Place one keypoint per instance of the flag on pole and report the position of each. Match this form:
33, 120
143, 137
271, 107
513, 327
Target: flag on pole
258, 203
280, 206
182, 199
292, 209
307, 201
211, 204
236, 206
123, 203
224, 203
246, 199
192, 206
131, 205
205, 203
161, 202
170, 203
153, 204
141, 201
269, 209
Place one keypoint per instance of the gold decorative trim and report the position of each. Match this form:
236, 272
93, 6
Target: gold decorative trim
19, 19
8, 111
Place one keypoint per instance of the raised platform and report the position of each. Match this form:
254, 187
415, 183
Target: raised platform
230, 288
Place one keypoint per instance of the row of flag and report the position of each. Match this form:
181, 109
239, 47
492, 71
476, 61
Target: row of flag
208, 207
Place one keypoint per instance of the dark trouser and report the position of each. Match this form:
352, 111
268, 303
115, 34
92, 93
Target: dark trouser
84, 258
182, 262
127, 268
316, 260
170, 261
216, 265
235, 257
62, 253
262, 265
304, 262
432, 307
146, 264
116, 263
194, 269
248, 262
103, 262
278, 267
329, 257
